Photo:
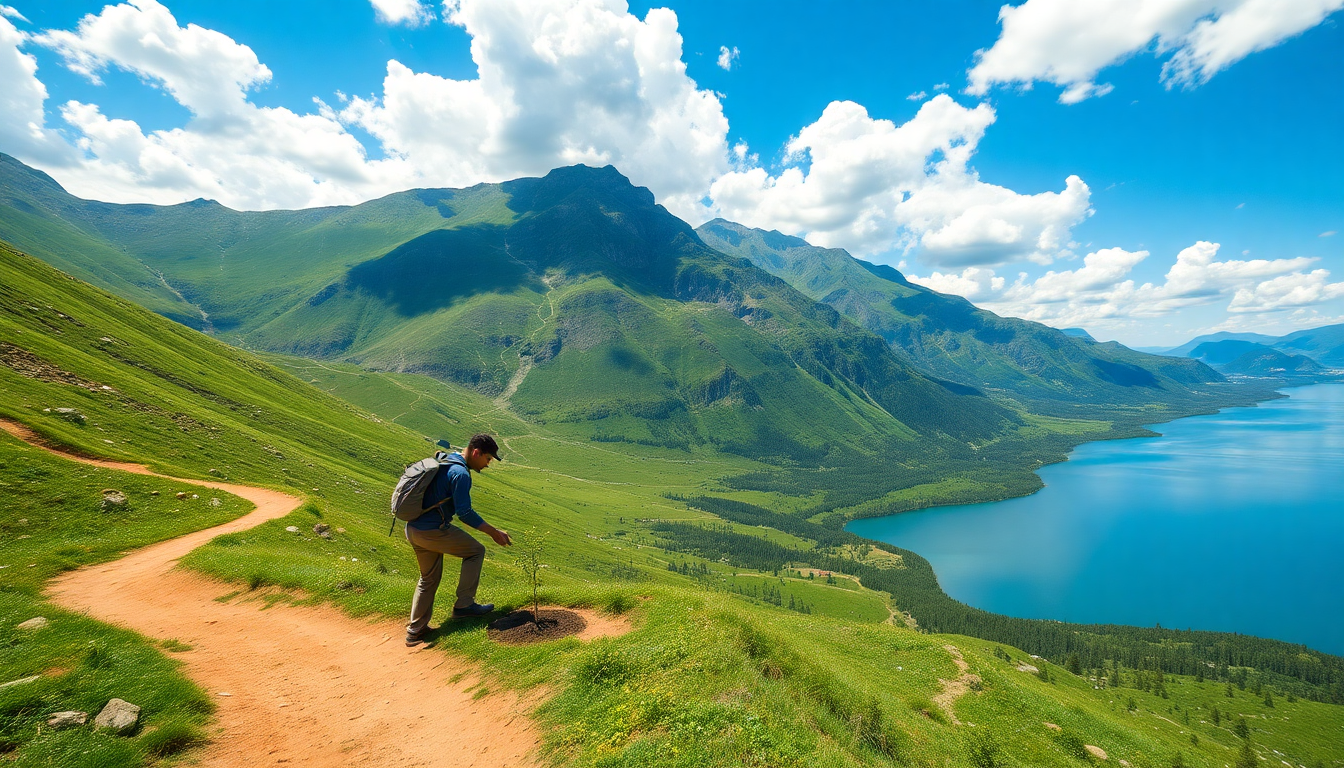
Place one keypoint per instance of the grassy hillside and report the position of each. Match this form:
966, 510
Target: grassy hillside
1051, 371
710, 676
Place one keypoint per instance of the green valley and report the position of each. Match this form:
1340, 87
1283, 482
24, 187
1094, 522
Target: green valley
691, 429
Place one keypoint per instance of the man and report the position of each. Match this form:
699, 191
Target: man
432, 536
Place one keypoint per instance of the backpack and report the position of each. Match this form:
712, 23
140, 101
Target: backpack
408, 498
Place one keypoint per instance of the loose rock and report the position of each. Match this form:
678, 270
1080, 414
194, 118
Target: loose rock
1095, 751
60, 720
181, 495
1053, 727
37, 622
215, 502
120, 716
113, 498
323, 530
292, 528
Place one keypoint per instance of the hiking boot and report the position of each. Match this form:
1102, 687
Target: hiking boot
475, 609
414, 640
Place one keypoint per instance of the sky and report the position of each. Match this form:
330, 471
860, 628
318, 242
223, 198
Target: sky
1149, 170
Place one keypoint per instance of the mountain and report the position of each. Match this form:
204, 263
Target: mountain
1185, 349
1271, 362
1325, 345
1219, 353
574, 299
948, 337
1077, 333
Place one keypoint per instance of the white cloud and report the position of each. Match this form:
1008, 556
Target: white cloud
412, 13
23, 130
205, 71
1101, 293
941, 87
1067, 43
727, 56
1328, 233
869, 185
917, 96
11, 13
561, 82
571, 81
973, 283
1286, 292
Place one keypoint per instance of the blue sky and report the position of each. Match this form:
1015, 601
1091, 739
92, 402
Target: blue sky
1179, 141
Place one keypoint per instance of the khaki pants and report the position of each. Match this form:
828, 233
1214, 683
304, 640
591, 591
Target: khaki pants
430, 547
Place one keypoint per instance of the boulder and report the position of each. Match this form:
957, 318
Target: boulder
61, 720
113, 498
323, 530
181, 494
37, 622
1095, 751
120, 716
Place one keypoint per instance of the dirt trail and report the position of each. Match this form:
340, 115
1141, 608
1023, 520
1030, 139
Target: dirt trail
295, 685
956, 688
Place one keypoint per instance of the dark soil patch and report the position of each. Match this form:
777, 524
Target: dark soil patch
518, 628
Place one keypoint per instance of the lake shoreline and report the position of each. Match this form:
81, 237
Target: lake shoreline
949, 569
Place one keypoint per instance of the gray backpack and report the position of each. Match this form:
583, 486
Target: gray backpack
408, 498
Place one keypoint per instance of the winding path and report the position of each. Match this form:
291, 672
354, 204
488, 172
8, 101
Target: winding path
300, 686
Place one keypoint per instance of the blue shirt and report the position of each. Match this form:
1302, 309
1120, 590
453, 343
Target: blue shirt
453, 481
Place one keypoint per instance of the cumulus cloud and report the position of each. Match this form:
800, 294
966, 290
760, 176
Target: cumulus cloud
560, 82
917, 96
869, 185
1067, 43
570, 81
1102, 293
727, 56
23, 130
230, 150
412, 13
1286, 292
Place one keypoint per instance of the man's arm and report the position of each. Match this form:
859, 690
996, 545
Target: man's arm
462, 506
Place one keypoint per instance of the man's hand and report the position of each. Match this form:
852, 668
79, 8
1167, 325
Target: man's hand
501, 538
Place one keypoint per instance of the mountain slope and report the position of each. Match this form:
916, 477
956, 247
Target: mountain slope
949, 337
574, 298
710, 676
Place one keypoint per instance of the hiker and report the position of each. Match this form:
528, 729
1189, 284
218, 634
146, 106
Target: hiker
432, 536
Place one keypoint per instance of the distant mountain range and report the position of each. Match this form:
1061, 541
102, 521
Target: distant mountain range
1308, 353
576, 299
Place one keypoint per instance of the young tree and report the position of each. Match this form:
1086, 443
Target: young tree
1241, 729
1074, 665
1217, 716
530, 547
1269, 698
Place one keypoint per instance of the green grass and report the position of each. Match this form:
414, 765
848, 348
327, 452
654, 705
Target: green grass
706, 678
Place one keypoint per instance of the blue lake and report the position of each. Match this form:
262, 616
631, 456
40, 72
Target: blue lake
1230, 522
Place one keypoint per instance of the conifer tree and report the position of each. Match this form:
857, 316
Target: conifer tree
1246, 758
1074, 665
1241, 729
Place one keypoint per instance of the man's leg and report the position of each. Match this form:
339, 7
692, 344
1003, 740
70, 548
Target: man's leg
431, 572
451, 540
472, 553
